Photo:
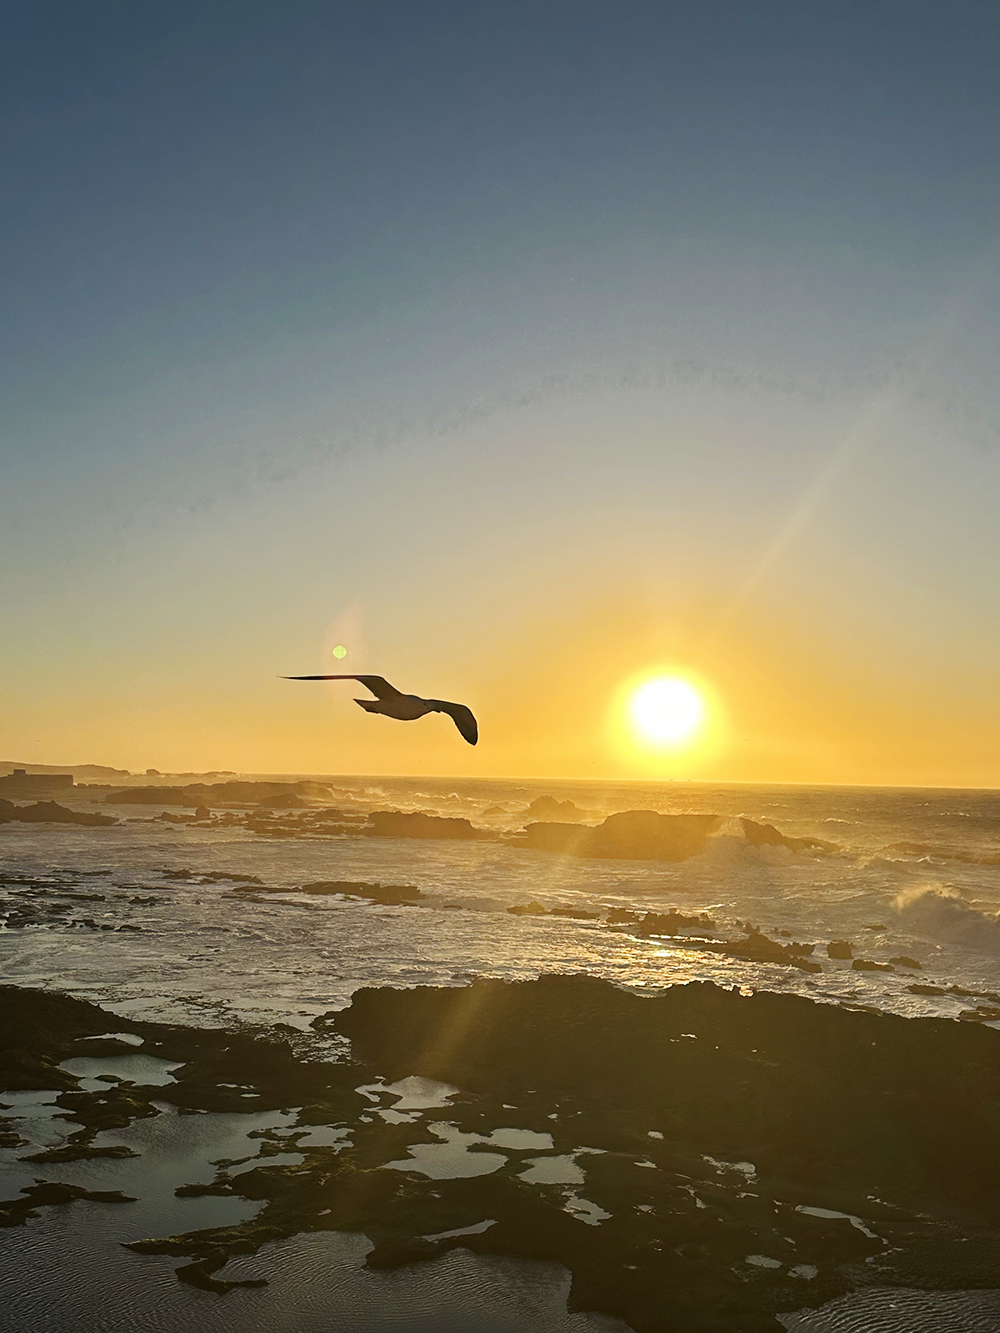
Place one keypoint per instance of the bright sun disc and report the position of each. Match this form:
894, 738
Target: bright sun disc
667, 710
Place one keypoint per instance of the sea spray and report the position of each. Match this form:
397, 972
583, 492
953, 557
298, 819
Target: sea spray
941, 912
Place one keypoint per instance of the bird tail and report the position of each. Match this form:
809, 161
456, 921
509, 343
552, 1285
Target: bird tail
369, 705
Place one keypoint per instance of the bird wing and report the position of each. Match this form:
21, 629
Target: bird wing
462, 717
378, 685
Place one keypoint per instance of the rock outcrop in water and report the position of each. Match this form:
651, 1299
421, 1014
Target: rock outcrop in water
224, 794
294, 810
662, 923
715, 1158
15, 1212
766, 835
396, 824
632, 835
536, 909
548, 808
839, 949
49, 812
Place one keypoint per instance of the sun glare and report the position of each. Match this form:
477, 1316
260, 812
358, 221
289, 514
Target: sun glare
667, 711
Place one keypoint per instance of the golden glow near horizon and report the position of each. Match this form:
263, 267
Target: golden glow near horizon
667, 711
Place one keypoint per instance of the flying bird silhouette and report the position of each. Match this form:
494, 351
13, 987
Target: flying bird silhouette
406, 707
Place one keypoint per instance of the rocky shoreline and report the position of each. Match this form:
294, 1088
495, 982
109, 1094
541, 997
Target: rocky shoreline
303, 809
699, 1159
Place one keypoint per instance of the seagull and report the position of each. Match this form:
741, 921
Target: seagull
406, 707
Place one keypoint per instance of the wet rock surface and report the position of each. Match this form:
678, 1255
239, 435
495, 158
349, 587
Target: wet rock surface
395, 824
664, 923
766, 835
630, 835
699, 1159
536, 909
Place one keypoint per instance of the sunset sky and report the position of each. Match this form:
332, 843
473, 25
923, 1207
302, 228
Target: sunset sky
524, 349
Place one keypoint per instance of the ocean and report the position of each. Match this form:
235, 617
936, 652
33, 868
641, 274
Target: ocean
148, 918
916, 874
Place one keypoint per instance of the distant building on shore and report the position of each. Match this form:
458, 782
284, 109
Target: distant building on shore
23, 783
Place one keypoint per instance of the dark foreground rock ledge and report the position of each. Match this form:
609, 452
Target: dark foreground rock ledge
709, 1131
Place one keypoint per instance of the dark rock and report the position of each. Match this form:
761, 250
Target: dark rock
839, 949
889, 1120
904, 961
214, 794
983, 1013
548, 808
80, 1152
395, 824
49, 812
766, 835
528, 909
757, 948
631, 835
921, 988
672, 922
621, 916
867, 965
199, 1272
49, 1194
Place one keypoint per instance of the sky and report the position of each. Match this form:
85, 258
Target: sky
522, 349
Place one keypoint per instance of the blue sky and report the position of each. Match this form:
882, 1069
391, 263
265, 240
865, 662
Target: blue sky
474, 317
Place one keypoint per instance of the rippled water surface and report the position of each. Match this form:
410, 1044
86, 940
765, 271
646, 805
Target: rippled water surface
66, 1275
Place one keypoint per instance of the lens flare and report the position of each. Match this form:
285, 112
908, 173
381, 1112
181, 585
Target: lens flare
340, 651
667, 711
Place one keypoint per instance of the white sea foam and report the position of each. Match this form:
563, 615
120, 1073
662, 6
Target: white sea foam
942, 912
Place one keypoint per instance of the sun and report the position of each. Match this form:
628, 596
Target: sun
667, 711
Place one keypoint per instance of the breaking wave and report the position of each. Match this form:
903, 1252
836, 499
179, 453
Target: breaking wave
943, 913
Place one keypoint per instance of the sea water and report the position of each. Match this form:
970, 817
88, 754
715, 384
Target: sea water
915, 873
